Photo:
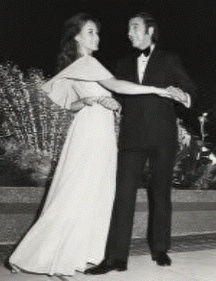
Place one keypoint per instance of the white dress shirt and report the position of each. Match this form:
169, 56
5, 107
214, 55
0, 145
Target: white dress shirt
142, 62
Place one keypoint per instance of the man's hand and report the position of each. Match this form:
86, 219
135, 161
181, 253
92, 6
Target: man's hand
89, 100
81, 103
110, 103
180, 96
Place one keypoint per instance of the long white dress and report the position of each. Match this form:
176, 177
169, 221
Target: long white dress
72, 229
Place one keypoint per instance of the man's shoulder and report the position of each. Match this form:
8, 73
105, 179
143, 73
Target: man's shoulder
125, 67
168, 57
126, 59
157, 51
165, 53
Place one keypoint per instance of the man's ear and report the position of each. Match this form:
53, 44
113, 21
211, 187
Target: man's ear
151, 30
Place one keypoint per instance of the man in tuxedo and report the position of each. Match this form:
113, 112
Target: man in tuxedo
148, 131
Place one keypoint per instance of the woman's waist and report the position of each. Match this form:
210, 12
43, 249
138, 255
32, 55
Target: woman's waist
95, 117
106, 102
96, 109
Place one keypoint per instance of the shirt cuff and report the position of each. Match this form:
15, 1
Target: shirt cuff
188, 105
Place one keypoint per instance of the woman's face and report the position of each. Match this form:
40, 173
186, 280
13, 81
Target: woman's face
88, 38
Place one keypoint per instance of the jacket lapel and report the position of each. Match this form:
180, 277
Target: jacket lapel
152, 63
135, 70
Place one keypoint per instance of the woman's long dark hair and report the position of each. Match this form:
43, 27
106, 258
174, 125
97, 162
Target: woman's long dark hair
68, 46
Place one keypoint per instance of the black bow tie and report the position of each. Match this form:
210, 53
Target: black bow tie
145, 52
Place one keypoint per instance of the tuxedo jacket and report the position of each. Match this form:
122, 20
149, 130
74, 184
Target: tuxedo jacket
150, 120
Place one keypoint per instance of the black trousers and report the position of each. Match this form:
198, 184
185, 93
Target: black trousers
130, 169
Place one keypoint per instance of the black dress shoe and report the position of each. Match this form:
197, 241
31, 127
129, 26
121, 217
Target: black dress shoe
104, 267
162, 259
120, 265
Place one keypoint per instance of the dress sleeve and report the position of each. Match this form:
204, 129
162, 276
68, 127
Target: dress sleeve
62, 93
86, 68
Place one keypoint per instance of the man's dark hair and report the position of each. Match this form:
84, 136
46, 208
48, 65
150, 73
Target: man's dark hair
149, 22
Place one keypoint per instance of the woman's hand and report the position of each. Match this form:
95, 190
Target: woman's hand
107, 102
89, 100
110, 103
161, 92
81, 103
174, 93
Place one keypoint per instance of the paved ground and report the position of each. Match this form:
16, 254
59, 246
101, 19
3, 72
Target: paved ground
194, 259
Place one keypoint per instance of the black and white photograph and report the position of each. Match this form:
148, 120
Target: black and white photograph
107, 140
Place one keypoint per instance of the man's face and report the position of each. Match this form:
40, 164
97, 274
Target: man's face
138, 35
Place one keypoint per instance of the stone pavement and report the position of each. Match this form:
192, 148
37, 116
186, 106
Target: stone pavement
193, 256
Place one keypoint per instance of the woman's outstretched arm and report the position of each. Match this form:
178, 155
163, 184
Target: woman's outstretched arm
129, 88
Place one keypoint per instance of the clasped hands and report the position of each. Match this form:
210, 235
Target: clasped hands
176, 94
107, 102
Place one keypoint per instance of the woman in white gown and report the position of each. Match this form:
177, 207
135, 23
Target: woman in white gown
73, 227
